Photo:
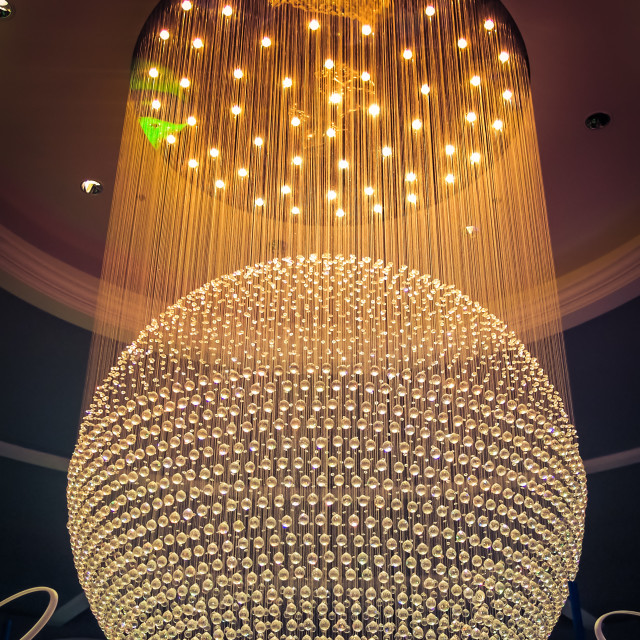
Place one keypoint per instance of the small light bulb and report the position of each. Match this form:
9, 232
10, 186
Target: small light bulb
153, 72
412, 198
503, 57
186, 5
213, 152
471, 230
335, 98
295, 121
416, 125
498, 125
191, 121
430, 11
331, 132
171, 139
258, 141
259, 202
475, 81
366, 30
471, 116
343, 164
410, 177
164, 34
340, 213
507, 95
374, 110
377, 208
185, 83
449, 149
329, 64
227, 10
287, 82
462, 43
236, 110
198, 44
368, 191
219, 184
237, 74
297, 161
266, 42
475, 157
332, 195
193, 163
366, 76
407, 54
156, 104
285, 189
425, 89
489, 24
243, 173
386, 151
450, 179
314, 25
295, 210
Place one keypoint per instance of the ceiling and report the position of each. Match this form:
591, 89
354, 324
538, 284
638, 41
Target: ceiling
64, 78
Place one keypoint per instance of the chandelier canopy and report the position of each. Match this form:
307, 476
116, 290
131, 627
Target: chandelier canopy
323, 441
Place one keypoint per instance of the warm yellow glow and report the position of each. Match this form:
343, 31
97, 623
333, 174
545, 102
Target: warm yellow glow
425, 89
462, 43
412, 198
193, 163
407, 54
236, 110
331, 132
410, 177
259, 202
187, 5
471, 116
258, 141
331, 195
366, 76
374, 110
328, 63
156, 104
475, 157
219, 184
198, 43
416, 125
498, 125
171, 139
507, 95
489, 24
377, 208
369, 191
340, 213
314, 25
295, 210
227, 10
242, 172
295, 121
475, 81
266, 41
164, 34
430, 11
335, 98
449, 149
504, 57
297, 160
191, 121
366, 30
185, 83
287, 82
238, 73
213, 152
285, 189
343, 164
386, 151
450, 178
153, 72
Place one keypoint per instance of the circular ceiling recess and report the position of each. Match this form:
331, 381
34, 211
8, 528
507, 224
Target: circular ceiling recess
597, 121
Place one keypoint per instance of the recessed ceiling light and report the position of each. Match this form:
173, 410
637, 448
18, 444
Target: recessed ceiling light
90, 187
597, 121
6, 10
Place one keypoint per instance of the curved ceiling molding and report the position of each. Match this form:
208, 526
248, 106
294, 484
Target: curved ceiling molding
70, 294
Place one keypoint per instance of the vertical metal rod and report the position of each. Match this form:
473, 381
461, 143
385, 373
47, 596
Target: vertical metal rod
576, 611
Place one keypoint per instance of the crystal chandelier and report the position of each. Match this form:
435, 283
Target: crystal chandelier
323, 441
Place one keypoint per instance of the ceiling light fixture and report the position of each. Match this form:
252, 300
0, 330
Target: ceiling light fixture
92, 187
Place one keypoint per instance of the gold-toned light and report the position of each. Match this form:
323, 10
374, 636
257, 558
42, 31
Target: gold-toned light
295, 121
153, 72
335, 98
266, 41
185, 83
197, 43
430, 11
504, 57
366, 30
258, 141
238, 74
236, 110
297, 160
340, 213
287, 82
156, 104
219, 184
386, 151
193, 163
227, 10
374, 110
192, 121
243, 172
365, 76
171, 139
329, 63
213, 152
475, 81
330, 132
462, 43
416, 124
449, 149
187, 5
508, 94
489, 24
314, 25
164, 34
425, 89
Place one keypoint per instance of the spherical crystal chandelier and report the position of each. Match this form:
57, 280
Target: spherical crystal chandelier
323, 441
